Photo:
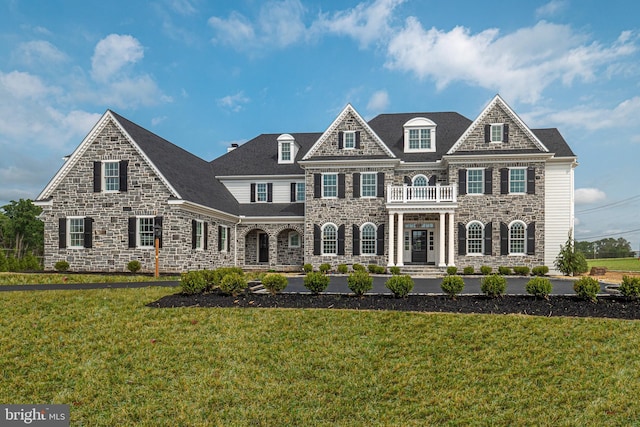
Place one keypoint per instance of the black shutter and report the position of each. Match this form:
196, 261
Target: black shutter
341, 240
194, 227
220, 238
504, 239
505, 132
531, 238
157, 222
253, 192
317, 185
488, 181
380, 240
488, 241
317, 239
205, 235
462, 182
380, 184
432, 180
88, 232
356, 239
356, 185
97, 177
504, 181
487, 134
270, 192
293, 192
340, 140
358, 139
462, 239
62, 233
124, 165
531, 181
341, 186
228, 242
407, 180
132, 232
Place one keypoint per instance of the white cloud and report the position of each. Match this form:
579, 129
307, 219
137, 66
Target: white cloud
21, 85
552, 8
39, 52
183, 7
234, 102
157, 120
379, 101
584, 196
112, 54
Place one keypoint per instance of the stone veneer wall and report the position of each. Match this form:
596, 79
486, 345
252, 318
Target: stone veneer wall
368, 147
280, 255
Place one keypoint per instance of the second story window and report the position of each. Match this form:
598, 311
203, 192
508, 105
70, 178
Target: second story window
300, 192
517, 180
369, 185
111, 176
475, 181
261, 192
330, 185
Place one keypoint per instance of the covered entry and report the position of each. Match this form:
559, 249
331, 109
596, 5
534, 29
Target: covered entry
420, 245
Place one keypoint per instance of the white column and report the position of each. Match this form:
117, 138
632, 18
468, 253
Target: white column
441, 262
400, 262
391, 244
451, 224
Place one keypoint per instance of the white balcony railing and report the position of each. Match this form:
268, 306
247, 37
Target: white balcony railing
436, 194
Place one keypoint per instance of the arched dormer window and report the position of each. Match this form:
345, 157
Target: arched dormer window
419, 135
419, 181
287, 148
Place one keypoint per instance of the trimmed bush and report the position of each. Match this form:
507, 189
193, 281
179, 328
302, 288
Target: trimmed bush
452, 285
233, 284
452, 270
376, 269
493, 285
61, 266
324, 268
29, 262
3, 261
521, 270
274, 282
539, 287
193, 282
587, 288
630, 286
307, 268
358, 267
316, 282
360, 282
504, 271
485, 270
394, 270
400, 285
540, 270
134, 266
468, 270
342, 268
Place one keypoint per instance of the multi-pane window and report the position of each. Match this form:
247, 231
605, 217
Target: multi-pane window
294, 239
329, 240
330, 185
475, 181
145, 232
349, 139
517, 180
368, 239
223, 238
369, 185
285, 151
199, 225
517, 233
76, 232
419, 139
496, 133
475, 234
420, 181
300, 192
112, 176
261, 192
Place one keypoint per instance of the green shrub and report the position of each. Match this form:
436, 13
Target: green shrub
61, 266
452, 285
570, 261
376, 269
307, 268
233, 283
587, 288
539, 287
316, 282
358, 267
493, 285
360, 282
485, 270
134, 266
3, 261
13, 264
504, 271
468, 270
193, 282
274, 282
630, 286
29, 262
394, 270
342, 268
400, 285
521, 270
324, 268
452, 270
540, 270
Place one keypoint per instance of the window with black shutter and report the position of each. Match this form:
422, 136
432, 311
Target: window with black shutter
504, 181
488, 181
356, 239
341, 240
88, 232
62, 233
488, 241
317, 185
504, 239
462, 182
380, 184
380, 240
124, 166
531, 181
356, 185
97, 177
531, 238
462, 239
341, 186
317, 239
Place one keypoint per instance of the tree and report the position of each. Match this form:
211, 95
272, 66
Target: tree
587, 248
606, 248
570, 261
20, 228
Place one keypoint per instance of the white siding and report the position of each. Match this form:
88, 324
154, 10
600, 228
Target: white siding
241, 188
558, 208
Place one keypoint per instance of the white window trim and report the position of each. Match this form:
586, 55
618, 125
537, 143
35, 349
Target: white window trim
293, 148
419, 123
68, 237
200, 246
291, 234
138, 218
104, 176
344, 139
322, 252
525, 238
524, 191
481, 253
226, 237
501, 133
266, 192
322, 186
375, 239
375, 188
481, 181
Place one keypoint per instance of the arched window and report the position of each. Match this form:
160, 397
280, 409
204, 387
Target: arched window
475, 238
368, 239
517, 237
419, 181
329, 239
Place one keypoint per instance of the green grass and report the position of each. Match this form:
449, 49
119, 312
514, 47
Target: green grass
117, 362
53, 278
620, 264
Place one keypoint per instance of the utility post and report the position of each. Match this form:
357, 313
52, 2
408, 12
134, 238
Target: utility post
157, 233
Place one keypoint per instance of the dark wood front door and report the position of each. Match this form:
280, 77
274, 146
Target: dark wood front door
263, 247
419, 246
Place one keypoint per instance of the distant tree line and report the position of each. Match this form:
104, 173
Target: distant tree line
21, 236
606, 248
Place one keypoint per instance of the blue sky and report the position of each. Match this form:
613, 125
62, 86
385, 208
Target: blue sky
204, 74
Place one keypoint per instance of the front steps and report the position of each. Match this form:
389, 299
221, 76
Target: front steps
419, 270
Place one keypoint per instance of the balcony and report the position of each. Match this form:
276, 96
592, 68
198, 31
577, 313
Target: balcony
430, 194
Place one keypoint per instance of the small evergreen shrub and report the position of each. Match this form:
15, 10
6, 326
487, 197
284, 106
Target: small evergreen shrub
539, 287
485, 270
493, 285
193, 282
630, 286
212, 279
504, 271
233, 283
521, 270
29, 262
342, 268
394, 270
452, 285
274, 282
540, 270
468, 270
360, 282
307, 268
358, 267
400, 285
61, 266
452, 270
324, 268
376, 269
587, 288
316, 282
3, 261
134, 266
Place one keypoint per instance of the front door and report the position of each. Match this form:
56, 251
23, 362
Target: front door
263, 247
419, 246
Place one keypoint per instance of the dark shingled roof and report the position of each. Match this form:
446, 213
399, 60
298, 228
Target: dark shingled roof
553, 140
191, 176
272, 209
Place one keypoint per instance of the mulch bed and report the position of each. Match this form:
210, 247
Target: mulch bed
606, 306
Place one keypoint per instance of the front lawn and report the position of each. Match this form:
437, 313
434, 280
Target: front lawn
117, 362
55, 278
619, 264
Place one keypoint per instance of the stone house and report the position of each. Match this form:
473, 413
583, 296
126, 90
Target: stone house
414, 190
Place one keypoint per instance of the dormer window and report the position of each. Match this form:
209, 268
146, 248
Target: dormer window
285, 151
419, 135
287, 148
349, 140
496, 133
